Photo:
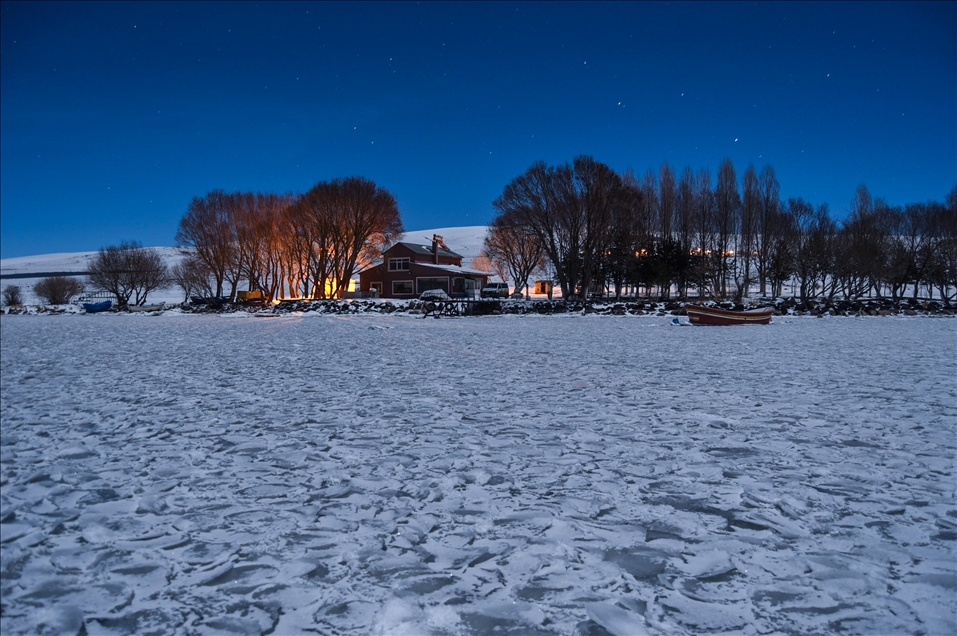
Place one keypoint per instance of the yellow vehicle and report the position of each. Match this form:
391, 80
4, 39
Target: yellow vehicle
250, 296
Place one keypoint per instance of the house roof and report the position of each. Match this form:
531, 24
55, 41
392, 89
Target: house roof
449, 269
426, 250
454, 269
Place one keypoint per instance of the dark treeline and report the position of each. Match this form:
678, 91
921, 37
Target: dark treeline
592, 230
307, 245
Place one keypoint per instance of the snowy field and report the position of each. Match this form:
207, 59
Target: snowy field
186, 474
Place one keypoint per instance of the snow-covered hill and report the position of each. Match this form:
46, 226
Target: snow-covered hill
466, 241
64, 262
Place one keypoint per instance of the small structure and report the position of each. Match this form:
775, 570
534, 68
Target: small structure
409, 269
543, 286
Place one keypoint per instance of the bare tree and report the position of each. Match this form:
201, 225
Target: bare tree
58, 290
684, 224
943, 270
208, 228
813, 246
345, 224
770, 227
312, 218
258, 219
922, 239
865, 234
626, 236
747, 235
536, 201
727, 206
295, 238
513, 247
129, 271
483, 261
193, 276
649, 208
368, 219
569, 209
12, 296
667, 201
314, 243
704, 273
599, 192
780, 263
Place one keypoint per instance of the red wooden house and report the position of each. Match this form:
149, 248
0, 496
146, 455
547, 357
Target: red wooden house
408, 269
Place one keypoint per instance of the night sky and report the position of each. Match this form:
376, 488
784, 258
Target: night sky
115, 115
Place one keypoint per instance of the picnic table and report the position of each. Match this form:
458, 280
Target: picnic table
438, 307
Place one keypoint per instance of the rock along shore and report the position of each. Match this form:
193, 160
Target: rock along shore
608, 307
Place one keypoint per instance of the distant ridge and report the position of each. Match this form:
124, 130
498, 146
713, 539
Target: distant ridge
40, 274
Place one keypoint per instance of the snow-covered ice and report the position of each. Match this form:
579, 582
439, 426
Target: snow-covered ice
206, 474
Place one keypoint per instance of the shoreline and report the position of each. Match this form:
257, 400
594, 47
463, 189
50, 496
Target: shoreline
782, 307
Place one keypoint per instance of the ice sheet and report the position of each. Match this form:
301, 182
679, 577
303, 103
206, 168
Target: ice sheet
555, 475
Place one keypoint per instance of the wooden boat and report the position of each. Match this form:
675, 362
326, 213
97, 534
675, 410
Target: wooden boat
95, 308
714, 316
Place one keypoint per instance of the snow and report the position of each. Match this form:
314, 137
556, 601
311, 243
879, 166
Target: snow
207, 474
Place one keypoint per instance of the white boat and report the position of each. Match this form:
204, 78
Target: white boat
145, 308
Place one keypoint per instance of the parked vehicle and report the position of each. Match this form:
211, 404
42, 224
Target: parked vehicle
434, 294
714, 316
250, 297
495, 290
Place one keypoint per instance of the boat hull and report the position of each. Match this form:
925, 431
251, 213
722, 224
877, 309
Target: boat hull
724, 317
95, 308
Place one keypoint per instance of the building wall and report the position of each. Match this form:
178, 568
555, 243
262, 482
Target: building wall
410, 283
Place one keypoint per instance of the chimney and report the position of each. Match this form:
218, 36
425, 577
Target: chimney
436, 241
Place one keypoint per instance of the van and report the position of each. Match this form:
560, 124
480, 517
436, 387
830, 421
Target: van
495, 290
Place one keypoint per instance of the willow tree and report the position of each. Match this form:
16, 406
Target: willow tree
570, 209
208, 231
514, 245
128, 271
533, 200
341, 226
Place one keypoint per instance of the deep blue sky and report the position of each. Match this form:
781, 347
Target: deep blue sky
114, 115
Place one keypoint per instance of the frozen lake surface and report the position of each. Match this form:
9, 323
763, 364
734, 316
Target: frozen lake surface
185, 474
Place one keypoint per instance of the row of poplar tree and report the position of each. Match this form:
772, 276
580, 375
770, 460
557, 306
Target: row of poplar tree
593, 231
